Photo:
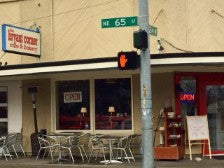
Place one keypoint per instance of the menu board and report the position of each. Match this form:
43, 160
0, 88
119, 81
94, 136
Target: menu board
197, 127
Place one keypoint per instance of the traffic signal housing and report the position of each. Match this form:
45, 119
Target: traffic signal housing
140, 39
128, 60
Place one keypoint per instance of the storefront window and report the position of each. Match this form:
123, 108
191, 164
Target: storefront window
3, 111
73, 109
113, 104
215, 110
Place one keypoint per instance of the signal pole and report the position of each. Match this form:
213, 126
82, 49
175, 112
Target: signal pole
146, 96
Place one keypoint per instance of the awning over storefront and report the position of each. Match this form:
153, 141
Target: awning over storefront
170, 59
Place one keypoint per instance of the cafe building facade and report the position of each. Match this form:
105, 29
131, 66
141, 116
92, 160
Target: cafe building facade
79, 86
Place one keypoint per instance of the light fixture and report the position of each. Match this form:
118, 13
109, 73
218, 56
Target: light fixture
32, 91
160, 47
83, 111
111, 110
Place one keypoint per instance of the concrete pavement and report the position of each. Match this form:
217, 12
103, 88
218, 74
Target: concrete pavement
46, 163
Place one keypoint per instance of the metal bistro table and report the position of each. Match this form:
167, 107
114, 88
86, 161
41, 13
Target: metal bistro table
110, 139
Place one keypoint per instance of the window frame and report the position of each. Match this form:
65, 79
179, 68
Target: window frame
75, 130
91, 105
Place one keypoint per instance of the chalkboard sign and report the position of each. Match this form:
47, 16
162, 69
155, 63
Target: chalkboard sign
197, 127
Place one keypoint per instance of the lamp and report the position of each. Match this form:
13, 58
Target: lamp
111, 110
83, 111
32, 91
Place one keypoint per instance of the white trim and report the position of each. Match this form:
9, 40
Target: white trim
3, 119
3, 104
132, 107
92, 104
63, 68
104, 65
189, 60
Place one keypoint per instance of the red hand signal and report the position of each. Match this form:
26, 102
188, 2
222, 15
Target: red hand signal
123, 60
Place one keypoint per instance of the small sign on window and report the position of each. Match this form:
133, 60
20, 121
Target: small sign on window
187, 97
71, 97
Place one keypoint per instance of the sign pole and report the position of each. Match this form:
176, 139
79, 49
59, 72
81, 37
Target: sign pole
146, 96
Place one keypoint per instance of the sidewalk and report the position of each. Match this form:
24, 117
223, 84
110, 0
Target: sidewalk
46, 163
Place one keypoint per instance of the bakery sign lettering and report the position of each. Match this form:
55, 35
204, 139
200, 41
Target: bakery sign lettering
20, 40
71, 97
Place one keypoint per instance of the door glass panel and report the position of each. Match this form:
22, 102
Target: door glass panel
186, 91
215, 108
187, 96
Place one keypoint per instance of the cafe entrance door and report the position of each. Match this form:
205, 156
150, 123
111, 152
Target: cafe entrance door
203, 94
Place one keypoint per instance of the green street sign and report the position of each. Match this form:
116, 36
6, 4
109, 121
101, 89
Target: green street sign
125, 22
119, 22
152, 30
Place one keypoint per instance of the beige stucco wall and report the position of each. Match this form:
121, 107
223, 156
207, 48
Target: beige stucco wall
43, 106
162, 91
10, 14
71, 29
39, 13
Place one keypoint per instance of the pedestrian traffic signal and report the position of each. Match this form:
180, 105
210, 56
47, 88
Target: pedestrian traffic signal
128, 60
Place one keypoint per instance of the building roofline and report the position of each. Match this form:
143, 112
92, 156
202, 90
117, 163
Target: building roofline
169, 59
110, 59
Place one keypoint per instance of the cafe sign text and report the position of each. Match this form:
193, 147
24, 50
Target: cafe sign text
72, 97
20, 40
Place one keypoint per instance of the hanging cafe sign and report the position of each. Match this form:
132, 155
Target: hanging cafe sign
20, 40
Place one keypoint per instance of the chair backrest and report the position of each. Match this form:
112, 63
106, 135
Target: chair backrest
43, 142
75, 140
2, 142
95, 142
84, 139
19, 138
124, 142
11, 139
135, 140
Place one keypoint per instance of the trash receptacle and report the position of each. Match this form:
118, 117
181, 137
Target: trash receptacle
34, 143
43, 131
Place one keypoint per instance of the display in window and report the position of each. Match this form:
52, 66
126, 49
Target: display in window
113, 104
73, 105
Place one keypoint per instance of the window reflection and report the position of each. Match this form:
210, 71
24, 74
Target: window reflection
215, 110
3, 110
114, 93
72, 96
3, 128
3, 96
